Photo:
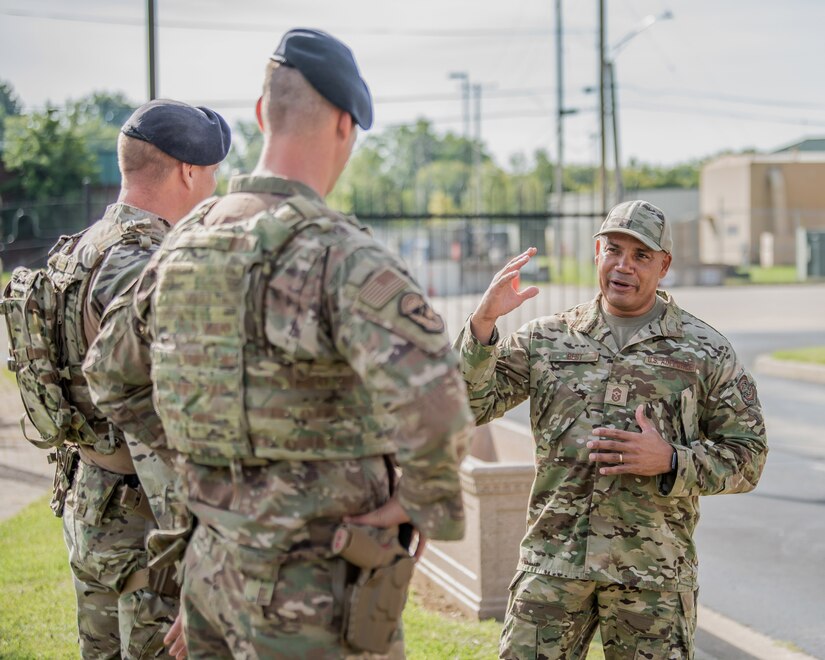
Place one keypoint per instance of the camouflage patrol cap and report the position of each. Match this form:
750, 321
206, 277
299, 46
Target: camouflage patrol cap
194, 135
641, 220
329, 66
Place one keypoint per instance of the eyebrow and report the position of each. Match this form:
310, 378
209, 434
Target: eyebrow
639, 250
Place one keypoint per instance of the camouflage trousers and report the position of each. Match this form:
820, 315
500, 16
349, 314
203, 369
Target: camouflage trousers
549, 617
294, 612
106, 545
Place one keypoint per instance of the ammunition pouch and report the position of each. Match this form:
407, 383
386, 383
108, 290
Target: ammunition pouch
136, 500
375, 600
65, 458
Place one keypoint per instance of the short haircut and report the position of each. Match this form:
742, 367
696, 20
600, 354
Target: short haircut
140, 160
290, 104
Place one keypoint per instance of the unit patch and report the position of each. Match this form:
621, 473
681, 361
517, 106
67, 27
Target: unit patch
747, 388
414, 307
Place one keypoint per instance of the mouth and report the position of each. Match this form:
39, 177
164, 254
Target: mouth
622, 286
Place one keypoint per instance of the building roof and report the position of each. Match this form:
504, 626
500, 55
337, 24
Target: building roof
806, 144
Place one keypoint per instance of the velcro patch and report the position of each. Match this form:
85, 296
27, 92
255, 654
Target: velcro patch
747, 388
381, 288
672, 363
616, 394
573, 356
413, 306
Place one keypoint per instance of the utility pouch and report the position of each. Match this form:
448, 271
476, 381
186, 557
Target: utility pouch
65, 459
375, 600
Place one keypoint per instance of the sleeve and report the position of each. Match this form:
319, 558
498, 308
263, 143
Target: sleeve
118, 272
384, 326
498, 375
117, 368
730, 453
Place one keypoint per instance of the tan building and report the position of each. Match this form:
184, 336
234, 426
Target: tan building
752, 205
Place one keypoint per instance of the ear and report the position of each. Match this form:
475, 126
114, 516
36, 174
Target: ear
187, 175
665, 265
598, 250
345, 125
258, 113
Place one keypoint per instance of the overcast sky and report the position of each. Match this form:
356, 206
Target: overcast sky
720, 74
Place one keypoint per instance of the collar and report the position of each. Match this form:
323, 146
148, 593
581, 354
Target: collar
122, 213
588, 318
273, 185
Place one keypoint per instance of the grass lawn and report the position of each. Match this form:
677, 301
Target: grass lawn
37, 617
812, 354
770, 275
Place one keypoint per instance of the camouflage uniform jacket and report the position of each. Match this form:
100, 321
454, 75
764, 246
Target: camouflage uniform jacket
625, 529
118, 271
348, 312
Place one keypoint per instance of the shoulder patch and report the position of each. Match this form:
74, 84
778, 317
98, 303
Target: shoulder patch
747, 389
413, 306
381, 288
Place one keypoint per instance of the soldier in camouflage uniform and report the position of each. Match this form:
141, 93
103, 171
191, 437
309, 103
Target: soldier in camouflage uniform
292, 356
168, 153
637, 408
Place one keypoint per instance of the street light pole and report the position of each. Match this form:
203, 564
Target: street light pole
464, 78
610, 66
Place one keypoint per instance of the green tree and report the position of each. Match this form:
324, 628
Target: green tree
110, 108
10, 105
48, 154
247, 143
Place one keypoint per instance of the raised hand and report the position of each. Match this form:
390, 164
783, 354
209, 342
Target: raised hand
502, 297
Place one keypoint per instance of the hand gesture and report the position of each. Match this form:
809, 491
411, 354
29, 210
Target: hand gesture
502, 297
646, 453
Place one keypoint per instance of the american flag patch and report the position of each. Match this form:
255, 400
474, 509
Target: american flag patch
381, 288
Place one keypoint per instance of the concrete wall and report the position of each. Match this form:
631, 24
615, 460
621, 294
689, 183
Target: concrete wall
724, 205
496, 477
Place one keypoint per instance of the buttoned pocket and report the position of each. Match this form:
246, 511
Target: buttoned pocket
675, 416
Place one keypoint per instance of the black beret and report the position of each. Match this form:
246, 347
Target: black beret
329, 66
198, 136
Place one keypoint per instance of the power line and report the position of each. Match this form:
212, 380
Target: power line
726, 98
484, 33
681, 110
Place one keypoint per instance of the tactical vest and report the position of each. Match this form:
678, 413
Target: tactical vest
44, 311
227, 393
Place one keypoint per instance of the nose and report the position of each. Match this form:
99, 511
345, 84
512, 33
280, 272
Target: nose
624, 263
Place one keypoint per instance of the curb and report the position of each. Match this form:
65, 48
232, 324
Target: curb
750, 642
810, 373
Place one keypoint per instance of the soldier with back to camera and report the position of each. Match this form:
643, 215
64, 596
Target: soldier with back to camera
168, 153
294, 360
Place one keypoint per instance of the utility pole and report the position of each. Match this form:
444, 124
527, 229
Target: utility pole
602, 119
477, 146
150, 29
558, 183
614, 114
